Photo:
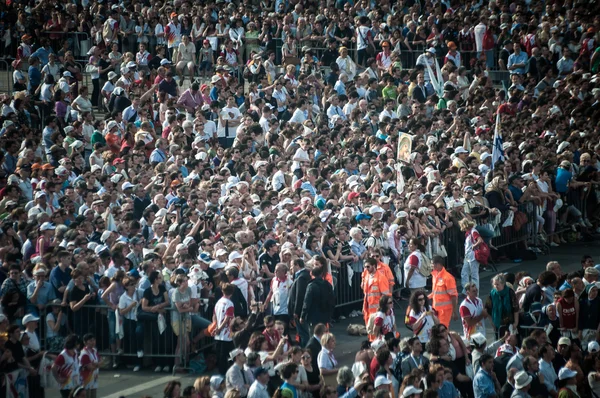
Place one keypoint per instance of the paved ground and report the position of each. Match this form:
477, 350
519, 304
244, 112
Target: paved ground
128, 384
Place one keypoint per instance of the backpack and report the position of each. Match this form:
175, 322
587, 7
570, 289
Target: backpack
482, 253
107, 31
425, 268
488, 42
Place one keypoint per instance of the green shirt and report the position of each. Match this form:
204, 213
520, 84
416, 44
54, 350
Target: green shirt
97, 137
389, 92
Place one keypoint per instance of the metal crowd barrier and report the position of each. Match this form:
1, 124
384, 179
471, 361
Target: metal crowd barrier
6, 83
79, 42
141, 335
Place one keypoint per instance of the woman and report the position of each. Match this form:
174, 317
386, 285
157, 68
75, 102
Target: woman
567, 308
301, 381
128, 305
154, 303
328, 365
421, 317
385, 321
413, 276
81, 301
567, 383
56, 327
111, 297
82, 103
180, 316
45, 240
202, 386
345, 380
470, 268
457, 350
502, 306
172, 389
89, 360
313, 376
346, 64
593, 375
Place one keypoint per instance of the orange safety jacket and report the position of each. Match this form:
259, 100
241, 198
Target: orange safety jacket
373, 287
383, 267
443, 288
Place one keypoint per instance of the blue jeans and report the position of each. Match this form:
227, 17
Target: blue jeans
302, 329
199, 323
112, 322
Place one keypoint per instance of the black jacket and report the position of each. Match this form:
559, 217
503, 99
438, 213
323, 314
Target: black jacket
298, 292
240, 306
314, 346
318, 302
419, 95
506, 390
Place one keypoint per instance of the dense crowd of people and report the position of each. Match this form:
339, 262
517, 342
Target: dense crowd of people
248, 172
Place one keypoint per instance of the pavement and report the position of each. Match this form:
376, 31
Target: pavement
125, 383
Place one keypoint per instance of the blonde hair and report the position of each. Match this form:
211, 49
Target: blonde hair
326, 338
466, 224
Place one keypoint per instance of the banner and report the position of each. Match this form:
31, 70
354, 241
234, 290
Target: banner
404, 148
16, 384
497, 148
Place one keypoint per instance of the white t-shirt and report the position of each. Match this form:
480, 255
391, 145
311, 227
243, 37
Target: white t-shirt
281, 295
301, 154
225, 116
223, 309
187, 52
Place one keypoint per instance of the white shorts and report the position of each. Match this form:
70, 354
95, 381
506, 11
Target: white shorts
183, 64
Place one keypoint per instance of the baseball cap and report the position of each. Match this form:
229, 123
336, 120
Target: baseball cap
382, 381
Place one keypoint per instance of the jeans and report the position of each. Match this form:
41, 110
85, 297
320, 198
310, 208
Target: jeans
486, 233
302, 329
470, 273
199, 323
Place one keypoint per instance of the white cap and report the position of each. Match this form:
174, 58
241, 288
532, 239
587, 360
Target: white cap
233, 354
165, 61
105, 235
221, 252
67, 74
377, 344
411, 390
216, 264
126, 185
460, 149
234, 256
566, 373
593, 346
484, 156
29, 318
382, 380
375, 209
324, 215
40, 194
47, 226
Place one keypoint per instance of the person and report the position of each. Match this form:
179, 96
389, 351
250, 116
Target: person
470, 268
444, 296
89, 362
385, 321
328, 365
237, 376
421, 317
567, 383
503, 306
472, 312
297, 294
319, 294
414, 278
375, 286
415, 360
485, 383
66, 367
223, 314
258, 389
528, 347
522, 385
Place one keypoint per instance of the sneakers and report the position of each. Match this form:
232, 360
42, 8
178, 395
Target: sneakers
587, 223
554, 244
157, 369
166, 369
136, 368
120, 351
140, 354
115, 365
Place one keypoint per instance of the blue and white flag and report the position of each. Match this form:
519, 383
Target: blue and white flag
497, 149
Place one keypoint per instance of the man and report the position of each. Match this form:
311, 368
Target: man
229, 120
317, 302
532, 367
191, 99
314, 344
420, 92
258, 389
279, 294
443, 292
485, 383
517, 61
236, 376
522, 385
509, 386
374, 285
297, 293
528, 347
561, 356
415, 360
223, 315
472, 312
546, 369
535, 293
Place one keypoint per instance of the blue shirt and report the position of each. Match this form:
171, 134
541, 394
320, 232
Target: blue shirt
157, 156
483, 385
59, 278
562, 179
214, 94
43, 54
447, 390
516, 192
521, 58
309, 188
35, 77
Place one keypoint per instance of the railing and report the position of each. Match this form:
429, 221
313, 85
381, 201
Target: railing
6, 83
174, 347
79, 42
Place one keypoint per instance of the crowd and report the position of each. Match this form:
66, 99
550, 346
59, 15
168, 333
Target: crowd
246, 173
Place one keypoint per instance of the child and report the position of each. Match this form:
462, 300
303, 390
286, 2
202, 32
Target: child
89, 362
389, 91
205, 59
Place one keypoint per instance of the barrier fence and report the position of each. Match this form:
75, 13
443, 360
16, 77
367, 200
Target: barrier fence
174, 345
78, 42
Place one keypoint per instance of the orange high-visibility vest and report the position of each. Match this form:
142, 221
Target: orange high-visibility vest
373, 287
443, 288
383, 267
